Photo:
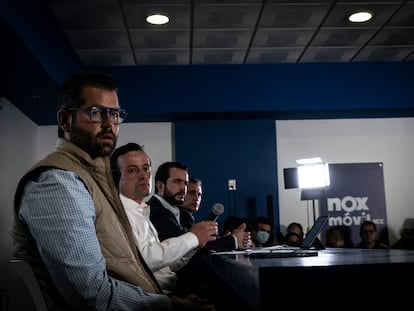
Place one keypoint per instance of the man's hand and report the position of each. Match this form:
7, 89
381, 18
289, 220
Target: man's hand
242, 236
205, 231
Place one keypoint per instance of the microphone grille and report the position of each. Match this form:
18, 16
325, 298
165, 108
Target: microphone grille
218, 209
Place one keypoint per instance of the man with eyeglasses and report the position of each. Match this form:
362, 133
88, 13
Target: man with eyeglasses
99, 113
368, 234
69, 221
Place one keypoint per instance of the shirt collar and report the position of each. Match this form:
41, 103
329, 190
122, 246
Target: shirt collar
143, 205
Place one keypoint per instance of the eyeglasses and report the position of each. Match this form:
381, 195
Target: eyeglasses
98, 114
369, 231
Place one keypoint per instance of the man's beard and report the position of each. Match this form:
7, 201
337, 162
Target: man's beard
170, 198
90, 144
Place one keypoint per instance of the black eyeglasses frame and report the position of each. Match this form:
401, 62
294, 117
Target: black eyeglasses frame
103, 113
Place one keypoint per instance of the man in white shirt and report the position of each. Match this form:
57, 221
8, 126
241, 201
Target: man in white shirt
135, 183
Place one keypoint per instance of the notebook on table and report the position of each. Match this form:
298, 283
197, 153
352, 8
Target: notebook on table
303, 250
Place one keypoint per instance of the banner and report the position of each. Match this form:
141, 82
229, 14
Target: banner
356, 193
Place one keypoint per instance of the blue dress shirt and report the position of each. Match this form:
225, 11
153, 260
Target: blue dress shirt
60, 215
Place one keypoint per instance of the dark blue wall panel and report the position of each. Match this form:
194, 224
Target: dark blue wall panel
23, 81
283, 91
216, 151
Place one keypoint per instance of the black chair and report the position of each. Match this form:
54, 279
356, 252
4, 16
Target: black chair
24, 270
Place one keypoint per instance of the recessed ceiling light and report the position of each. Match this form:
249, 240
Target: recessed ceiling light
157, 19
360, 17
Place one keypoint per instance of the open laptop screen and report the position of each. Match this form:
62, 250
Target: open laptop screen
313, 233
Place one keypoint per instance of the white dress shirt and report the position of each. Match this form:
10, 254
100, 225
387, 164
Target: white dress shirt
163, 258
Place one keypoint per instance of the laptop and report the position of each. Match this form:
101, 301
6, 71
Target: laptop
305, 249
311, 236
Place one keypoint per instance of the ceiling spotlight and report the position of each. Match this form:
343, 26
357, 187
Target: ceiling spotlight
360, 17
157, 19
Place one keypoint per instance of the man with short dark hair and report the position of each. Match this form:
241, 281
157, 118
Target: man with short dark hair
368, 234
171, 182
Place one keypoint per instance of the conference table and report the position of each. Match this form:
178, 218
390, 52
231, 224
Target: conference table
262, 283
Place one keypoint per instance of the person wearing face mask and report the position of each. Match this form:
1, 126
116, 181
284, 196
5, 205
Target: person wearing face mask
263, 235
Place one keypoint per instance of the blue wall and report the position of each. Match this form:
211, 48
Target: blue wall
216, 151
279, 91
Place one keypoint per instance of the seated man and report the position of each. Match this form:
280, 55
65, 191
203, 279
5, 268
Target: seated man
334, 237
368, 234
262, 236
69, 222
168, 256
171, 181
338, 237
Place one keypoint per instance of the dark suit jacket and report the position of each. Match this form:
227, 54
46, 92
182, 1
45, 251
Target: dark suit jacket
186, 219
167, 226
193, 274
163, 220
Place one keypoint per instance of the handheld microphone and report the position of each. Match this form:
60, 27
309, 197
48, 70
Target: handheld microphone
216, 211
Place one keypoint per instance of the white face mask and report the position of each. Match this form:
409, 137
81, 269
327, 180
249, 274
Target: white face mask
262, 236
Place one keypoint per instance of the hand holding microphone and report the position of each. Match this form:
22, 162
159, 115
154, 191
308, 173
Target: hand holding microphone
207, 230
